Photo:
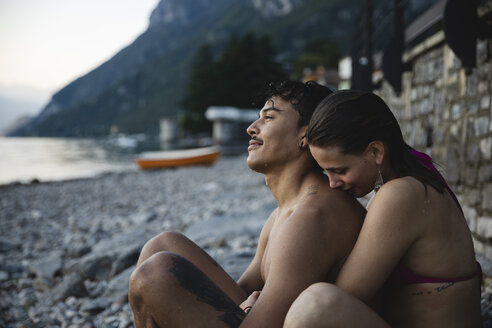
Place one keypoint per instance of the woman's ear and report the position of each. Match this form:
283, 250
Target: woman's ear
376, 149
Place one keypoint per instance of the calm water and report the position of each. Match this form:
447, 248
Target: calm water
48, 159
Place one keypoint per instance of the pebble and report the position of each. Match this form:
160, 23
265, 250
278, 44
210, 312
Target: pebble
3, 276
67, 249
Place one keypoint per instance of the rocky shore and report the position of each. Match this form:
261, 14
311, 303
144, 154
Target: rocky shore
67, 248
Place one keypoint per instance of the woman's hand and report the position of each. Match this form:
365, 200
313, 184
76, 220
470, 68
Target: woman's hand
250, 302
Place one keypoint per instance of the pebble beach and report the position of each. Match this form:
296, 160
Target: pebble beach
67, 248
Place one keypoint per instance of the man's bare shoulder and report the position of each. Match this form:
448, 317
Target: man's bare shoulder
317, 227
267, 227
327, 203
271, 218
328, 214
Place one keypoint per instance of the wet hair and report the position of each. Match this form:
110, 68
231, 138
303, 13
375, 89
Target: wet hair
304, 97
350, 120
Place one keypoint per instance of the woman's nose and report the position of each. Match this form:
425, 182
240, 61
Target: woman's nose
334, 182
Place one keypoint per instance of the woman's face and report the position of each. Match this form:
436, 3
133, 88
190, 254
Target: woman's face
354, 174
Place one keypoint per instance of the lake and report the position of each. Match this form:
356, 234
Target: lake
51, 159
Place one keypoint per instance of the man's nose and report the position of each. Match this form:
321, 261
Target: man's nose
252, 129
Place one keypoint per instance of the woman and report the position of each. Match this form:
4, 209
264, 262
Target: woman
415, 249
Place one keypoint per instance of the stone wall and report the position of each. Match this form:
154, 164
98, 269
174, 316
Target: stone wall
448, 114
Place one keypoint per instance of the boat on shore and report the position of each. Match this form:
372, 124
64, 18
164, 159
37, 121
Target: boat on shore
178, 158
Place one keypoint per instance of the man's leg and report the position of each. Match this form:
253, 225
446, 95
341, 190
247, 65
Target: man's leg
325, 305
167, 290
178, 243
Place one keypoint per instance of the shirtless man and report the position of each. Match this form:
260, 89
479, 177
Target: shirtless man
305, 240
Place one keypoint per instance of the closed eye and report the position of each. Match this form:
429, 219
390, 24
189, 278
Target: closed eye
337, 171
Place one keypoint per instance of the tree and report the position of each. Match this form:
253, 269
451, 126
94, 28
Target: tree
247, 65
318, 53
243, 69
200, 91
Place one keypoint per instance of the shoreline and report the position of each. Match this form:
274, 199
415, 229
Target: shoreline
89, 176
37, 181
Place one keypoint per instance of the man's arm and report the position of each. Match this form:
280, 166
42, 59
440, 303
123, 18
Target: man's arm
300, 255
251, 279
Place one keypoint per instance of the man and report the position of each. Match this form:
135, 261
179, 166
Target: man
305, 240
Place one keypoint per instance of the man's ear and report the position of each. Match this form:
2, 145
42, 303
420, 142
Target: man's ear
376, 150
302, 134
303, 143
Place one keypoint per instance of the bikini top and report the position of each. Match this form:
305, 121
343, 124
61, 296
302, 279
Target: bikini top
402, 275
426, 160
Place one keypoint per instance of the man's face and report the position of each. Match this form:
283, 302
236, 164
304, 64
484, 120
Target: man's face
275, 136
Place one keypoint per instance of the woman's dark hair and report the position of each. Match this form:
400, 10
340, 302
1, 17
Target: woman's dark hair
350, 120
304, 97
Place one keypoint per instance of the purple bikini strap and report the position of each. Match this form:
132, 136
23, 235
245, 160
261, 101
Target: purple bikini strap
427, 161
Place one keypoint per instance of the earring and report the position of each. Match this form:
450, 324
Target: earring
379, 180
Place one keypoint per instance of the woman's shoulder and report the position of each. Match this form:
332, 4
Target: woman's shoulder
407, 186
400, 195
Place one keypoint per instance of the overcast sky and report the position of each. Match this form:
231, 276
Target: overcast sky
45, 44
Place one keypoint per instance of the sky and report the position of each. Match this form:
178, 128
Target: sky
46, 44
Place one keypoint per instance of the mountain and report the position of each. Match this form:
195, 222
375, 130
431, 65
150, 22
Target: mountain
11, 109
146, 80
14, 124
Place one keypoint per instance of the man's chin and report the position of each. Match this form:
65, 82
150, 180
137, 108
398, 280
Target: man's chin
250, 161
253, 164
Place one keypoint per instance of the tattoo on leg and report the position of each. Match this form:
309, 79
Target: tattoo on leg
195, 281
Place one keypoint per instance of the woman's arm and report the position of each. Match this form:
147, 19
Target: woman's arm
390, 228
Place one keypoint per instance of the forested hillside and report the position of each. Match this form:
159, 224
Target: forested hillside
150, 78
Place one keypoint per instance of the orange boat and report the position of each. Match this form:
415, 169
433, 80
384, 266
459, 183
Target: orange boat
177, 158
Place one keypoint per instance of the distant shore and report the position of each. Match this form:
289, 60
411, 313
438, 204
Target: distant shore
58, 159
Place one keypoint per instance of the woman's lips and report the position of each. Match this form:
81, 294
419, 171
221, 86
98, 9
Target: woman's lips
350, 191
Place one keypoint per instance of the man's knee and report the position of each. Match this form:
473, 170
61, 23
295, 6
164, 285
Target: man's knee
317, 302
152, 272
164, 240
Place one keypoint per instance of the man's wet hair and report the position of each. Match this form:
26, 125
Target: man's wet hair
304, 97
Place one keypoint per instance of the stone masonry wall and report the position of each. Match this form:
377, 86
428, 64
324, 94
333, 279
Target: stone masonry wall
448, 114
